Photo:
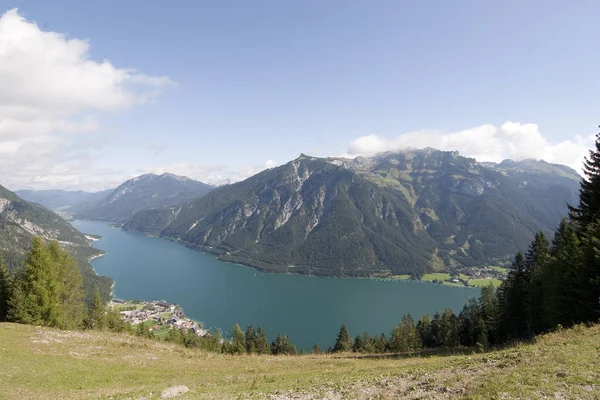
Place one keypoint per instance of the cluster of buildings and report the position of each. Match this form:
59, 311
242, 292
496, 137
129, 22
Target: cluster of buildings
160, 313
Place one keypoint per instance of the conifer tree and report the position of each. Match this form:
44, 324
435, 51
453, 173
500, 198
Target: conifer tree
343, 341
380, 343
4, 291
358, 345
97, 312
424, 330
405, 337
561, 280
262, 342
537, 262
283, 346
31, 302
71, 308
588, 210
316, 349
238, 340
250, 339
511, 301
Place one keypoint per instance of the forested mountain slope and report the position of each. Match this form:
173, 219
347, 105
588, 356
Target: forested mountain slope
409, 212
20, 221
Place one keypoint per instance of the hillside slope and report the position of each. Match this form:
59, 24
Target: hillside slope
307, 216
140, 193
41, 363
408, 212
20, 221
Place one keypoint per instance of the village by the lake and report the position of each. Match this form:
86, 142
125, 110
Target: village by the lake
159, 316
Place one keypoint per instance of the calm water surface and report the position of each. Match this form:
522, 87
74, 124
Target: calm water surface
308, 309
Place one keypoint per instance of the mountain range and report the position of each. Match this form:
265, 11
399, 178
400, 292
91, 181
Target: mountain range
408, 212
120, 204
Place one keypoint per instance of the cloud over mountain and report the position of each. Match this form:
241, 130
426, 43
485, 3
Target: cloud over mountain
511, 140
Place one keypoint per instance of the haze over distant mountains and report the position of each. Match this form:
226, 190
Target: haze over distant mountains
120, 204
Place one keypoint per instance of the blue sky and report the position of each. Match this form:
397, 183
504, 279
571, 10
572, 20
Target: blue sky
239, 83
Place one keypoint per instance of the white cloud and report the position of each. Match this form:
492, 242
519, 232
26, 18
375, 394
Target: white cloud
511, 140
50, 92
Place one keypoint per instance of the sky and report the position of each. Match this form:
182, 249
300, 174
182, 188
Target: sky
95, 92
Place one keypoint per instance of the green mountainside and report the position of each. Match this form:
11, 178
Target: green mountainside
140, 193
21, 221
410, 212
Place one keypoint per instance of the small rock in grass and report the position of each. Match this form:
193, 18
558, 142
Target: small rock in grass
174, 391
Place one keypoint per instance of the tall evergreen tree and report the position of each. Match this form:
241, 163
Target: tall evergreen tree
511, 301
262, 342
563, 303
588, 210
343, 341
4, 291
70, 288
588, 277
405, 337
537, 262
283, 346
316, 349
380, 343
31, 302
250, 339
97, 312
424, 330
238, 340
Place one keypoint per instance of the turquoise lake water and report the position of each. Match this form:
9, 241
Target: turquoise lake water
308, 309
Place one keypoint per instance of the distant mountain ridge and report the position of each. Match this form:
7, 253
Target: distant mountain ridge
140, 193
21, 220
62, 200
408, 212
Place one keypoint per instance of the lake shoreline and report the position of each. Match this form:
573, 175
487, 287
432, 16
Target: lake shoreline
221, 294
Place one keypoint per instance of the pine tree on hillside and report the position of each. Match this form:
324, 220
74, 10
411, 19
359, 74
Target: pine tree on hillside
97, 312
238, 340
316, 349
4, 291
70, 288
343, 341
250, 339
589, 275
561, 279
537, 261
405, 337
33, 299
511, 301
262, 342
283, 346
588, 209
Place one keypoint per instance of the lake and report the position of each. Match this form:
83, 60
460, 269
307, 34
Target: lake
308, 309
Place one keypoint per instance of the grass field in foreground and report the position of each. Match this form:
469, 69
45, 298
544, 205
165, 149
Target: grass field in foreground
41, 363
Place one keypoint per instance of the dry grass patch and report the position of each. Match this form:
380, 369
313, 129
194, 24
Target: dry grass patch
40, 363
